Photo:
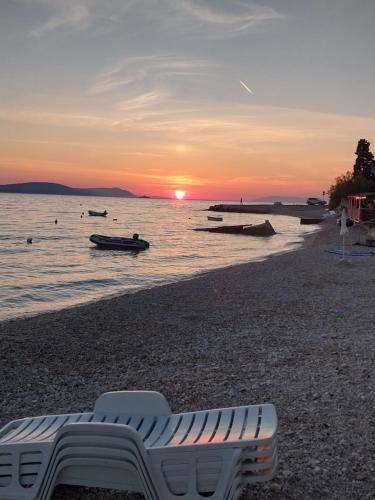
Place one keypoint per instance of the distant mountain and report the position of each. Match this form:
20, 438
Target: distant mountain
283, 199
53, 188
114, 192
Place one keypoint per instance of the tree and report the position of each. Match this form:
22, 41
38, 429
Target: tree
348, 184
362, 178
364, 165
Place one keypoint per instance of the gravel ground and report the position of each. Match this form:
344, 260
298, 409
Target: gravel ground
296, 330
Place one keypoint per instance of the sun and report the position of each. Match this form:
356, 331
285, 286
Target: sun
180, 195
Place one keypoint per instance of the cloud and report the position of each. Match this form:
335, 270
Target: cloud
175, 180
76, 15
183, 16
233, 129
142, 101
69, 16
240, 16
57, 118
148, 69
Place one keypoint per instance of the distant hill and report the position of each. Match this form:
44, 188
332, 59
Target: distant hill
53, 188
283, 199
114, 192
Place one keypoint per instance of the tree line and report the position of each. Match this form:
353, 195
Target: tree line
360, 179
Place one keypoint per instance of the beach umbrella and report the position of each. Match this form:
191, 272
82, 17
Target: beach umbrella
343, 230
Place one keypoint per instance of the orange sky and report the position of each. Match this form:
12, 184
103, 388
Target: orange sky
220, 99
259, 152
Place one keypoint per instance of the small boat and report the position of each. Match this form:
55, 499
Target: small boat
119, 243
97, 214
212, 217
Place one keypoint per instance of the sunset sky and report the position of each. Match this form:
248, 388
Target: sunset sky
220, 98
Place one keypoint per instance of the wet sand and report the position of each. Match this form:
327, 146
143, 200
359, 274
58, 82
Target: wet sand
296, 330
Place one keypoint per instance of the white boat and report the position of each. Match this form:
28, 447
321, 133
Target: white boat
97, 214
213, 217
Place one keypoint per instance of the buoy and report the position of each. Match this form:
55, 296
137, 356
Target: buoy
81, 216
29, 240
55, 221
115, 219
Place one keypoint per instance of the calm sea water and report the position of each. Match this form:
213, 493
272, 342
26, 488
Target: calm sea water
62, 267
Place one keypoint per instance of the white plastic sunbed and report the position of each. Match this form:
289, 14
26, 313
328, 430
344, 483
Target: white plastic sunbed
132, 441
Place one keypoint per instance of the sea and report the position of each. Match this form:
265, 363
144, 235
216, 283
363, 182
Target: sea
62, 268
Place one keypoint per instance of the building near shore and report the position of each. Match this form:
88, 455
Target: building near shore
361, 208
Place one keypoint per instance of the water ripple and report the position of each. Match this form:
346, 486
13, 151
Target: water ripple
62, 267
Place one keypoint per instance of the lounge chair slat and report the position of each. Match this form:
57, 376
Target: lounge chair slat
210, 428
109, 419
251, 424
135, 422
146, 426
224, 426
268, 422
237, 424
85, 417
196, 429
16, 432
11, 430
29, 429
124, 419
183, 429
161, 423
57, 424
169, 431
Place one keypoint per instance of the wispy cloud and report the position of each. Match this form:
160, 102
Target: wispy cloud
67, 16
237, 15
142, 101
186, 16
58, 118
234, 129
175, 180
149, 69
76, 15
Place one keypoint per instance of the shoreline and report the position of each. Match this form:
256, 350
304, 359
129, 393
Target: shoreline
295, 329
130, 291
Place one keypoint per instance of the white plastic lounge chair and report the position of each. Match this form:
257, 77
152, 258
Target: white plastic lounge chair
132, 441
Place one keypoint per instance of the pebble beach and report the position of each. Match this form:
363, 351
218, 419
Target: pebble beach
296, 330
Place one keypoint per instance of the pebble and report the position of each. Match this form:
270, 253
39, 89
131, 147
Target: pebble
267, 337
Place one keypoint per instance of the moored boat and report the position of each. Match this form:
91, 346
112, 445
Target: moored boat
97, 214
212, 217
119, 243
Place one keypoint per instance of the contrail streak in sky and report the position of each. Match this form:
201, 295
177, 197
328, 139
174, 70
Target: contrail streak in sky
246, 87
